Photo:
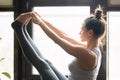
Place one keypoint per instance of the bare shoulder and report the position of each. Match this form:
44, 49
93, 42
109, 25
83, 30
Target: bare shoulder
86, 58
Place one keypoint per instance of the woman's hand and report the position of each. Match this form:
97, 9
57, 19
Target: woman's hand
36, 18
24, 18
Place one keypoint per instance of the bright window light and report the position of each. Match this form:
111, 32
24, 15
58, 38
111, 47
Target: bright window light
68, 19
114, 46
6, 45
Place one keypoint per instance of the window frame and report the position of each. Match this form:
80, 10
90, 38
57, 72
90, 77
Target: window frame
7, 7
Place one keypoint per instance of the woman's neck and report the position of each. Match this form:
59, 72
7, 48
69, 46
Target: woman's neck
92, 43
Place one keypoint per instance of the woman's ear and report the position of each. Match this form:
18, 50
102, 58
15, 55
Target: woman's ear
90, 32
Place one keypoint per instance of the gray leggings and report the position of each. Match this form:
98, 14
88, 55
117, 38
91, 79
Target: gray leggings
33, 55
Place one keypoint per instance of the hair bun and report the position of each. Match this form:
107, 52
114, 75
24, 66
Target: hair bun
98, 13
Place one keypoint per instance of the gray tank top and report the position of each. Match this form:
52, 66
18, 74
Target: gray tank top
76, 73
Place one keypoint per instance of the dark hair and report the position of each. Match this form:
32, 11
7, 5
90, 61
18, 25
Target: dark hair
96, 22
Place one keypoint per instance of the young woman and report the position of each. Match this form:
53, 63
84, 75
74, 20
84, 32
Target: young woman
87, 60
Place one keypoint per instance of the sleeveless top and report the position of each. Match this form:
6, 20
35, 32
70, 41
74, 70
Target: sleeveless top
76, 73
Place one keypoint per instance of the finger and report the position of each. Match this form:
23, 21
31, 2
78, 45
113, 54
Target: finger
37, 14
27, 21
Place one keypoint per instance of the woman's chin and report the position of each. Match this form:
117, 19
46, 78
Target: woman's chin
84, 42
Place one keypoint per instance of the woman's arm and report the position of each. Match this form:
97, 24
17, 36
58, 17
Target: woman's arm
67, 44
61, 33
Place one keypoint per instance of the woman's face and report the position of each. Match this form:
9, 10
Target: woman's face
84, 33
